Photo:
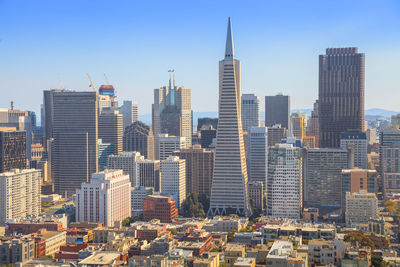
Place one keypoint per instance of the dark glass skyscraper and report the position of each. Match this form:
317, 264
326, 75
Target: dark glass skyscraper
341, 94
277, 111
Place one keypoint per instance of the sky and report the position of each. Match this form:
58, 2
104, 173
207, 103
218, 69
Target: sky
55, 44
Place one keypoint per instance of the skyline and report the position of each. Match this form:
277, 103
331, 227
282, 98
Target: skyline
274, 41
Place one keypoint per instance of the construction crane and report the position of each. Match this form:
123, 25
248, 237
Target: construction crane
107, 81
91, 83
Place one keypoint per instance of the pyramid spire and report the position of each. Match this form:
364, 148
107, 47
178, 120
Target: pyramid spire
229, 51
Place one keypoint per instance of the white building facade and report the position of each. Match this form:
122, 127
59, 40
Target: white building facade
250, 111
173, 179
168, 144
106, 199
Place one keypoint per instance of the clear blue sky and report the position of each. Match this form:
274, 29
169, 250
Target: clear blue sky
53, 44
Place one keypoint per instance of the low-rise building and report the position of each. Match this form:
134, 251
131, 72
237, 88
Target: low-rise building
360, 207
225, 224
232, 253
325, 252
138, 194
54, 240
282, 253
159, 207
148, 261
13, 250
56, 222
102, 258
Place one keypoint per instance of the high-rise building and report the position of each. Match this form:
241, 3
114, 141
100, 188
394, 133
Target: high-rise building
361, 207
173, 179
105, 150
341, 94
12, 149
172, 112
250, 111
284, 183
126, 161
371, 136
358, 141
138, 136
148, 173
20, 194
277, 111
390, 169
130, 112
275, 134
168, 144
207, 122
313, 124
298, 126
159, 207
257, 155
256, 194
75, 131
138, 194
106, 199
111, 128
229, 185
207, 136
106, 98
322, 176
199, 169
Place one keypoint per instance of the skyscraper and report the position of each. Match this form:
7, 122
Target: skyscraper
313, 124
172, 112
111, 128
229, 185
12, 150
168, 144
284, 184
250, 111
173, 179
138, 136
358, 141
75, 132
341, 94
126, 161
130, 112
277, 111
257, 154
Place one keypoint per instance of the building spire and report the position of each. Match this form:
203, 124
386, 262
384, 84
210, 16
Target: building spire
229, 51
174, 80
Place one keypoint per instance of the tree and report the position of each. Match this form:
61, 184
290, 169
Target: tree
231, 234
377, 260
126, 222
192, 206
173, 231
391, 206
357, 238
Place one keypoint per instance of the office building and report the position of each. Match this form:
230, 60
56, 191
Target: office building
207, 122
126, 161
250, 111
106, 199
207, 136
371, 136
106, 98
257, 154
199, 169
12, 149
172, 112
322, 176
168, 144
256, 194
130, 113
138, 136
298, 126
275, 134
313, 124
148, 173
159, 207
75, 133
138, 194
105, 150
111, 128
361, 207
20, 195
173, 179
341, 94
309, 141
390, 165
229, 185
358, 142
277, 111
284, 183
389, 136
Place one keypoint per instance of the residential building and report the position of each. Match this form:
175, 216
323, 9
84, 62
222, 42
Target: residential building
20, 195
168, 144
325, 252
138, 136
111, 128
275, 134
129, 111
199, 169
159, 207
173, 179
322, 177
390, 168
75, 132
16, 250
257, 154
358, 142
283, 253
229, 185
138, 194
277, 111
284, 183
250, 111
341, 97
360, 207
12, 149
106, 199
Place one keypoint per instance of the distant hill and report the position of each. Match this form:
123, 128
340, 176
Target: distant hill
370, 114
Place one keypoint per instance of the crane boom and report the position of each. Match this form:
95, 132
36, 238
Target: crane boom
91, 83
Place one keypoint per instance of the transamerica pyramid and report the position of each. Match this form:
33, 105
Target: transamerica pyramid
229, 184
